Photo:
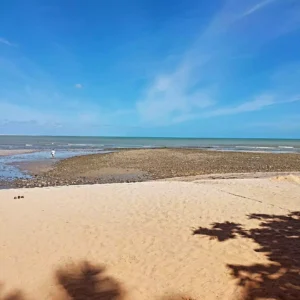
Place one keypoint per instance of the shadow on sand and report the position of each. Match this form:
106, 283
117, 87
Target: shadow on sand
15, 295
278, 237
84, 281
87, 281
80, 282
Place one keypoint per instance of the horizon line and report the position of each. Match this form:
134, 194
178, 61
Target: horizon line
148, 137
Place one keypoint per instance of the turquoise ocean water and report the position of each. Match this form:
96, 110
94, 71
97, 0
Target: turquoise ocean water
103, 143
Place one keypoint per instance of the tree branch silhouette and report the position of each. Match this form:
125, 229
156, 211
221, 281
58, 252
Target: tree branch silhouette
278, 237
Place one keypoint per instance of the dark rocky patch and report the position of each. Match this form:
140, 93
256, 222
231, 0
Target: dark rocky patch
152, 164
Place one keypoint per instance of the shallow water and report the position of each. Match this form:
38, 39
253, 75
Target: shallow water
9, 170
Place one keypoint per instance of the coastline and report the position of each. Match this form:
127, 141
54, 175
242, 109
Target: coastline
157, 164
254, 175
186, 217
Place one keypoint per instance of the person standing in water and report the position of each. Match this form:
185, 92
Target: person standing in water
53, 153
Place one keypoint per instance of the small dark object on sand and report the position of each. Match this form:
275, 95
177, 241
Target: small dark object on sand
19, 197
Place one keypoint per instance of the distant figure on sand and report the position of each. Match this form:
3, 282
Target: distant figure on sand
53, 153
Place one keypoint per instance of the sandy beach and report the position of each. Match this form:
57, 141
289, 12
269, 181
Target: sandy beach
150, 150
212, 239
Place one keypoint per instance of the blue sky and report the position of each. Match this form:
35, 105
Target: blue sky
222, 68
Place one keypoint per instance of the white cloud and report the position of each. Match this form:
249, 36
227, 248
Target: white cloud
6, 42
258, 103
175, 96
61, 114
257, 7
171, 96
190, 90
193, 89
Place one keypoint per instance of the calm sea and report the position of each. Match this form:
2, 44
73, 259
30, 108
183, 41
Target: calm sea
62, 143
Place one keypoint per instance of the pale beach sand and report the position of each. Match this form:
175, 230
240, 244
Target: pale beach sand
148, 237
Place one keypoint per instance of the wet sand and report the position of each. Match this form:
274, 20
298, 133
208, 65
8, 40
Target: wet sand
215, 239
35, 167
15, 152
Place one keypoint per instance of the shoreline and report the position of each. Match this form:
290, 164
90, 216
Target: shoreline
226, 176
155, 164
286, 176
37, 167
6, 152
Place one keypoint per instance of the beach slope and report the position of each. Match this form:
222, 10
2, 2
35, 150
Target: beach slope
213, 239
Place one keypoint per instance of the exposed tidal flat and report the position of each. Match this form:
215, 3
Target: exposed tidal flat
152, 164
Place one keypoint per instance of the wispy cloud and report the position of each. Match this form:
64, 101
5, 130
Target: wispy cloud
168, 100
172, 95
30, 95
78, 86
6, 42
88, 118
190, 86
200, 82
25, 112
193, 89
259, 103
257, 7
